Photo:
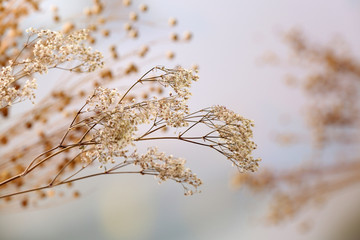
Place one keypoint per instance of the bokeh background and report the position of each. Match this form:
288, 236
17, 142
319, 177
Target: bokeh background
230, 40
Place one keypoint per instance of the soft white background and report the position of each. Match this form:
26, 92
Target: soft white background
229, 38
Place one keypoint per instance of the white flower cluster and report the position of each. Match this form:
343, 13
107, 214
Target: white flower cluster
114, 127
9, 93
166, 167
54, 48
119, 121
118, 124
235, 138
179, 79
171, 110
50, 50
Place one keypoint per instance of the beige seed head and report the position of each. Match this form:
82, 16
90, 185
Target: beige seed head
172, 21
133, 16
54, 8
101, 20
170, 54
133, 33
143, 7
187, 35
143, 50
127, 26
87, 11
97, 9
126, 3
56, 18
91, 40
174, 37
92, 27
105, 32
68, 27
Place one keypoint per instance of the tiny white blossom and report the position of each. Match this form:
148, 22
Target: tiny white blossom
50, 49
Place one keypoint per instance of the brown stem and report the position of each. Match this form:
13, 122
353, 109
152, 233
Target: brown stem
71, 180
138, 81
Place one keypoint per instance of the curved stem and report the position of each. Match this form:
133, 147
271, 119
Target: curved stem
138, 81
69, 181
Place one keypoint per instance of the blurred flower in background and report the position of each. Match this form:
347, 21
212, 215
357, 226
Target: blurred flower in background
317, 166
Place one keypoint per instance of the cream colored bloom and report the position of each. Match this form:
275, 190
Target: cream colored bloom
115, 128
50, 49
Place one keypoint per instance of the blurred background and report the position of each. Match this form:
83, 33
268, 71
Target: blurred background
243, 64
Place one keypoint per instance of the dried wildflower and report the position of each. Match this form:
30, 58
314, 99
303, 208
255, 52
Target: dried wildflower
331, 86
120, 121
111, 130
166, 167
9, 93
230, 133
105, 132
50, 50
235, 138
180, 80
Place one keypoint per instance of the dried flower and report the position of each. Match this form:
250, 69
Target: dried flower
166, 167
50, 50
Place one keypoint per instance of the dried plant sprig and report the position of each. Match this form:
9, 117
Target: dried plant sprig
297, 188
231, 135
331, 85
167, 167
12, 14
9, 92
40, 128
111, 132
50, 49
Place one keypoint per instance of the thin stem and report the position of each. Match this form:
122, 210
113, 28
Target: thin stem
154, 130
73, 121
30, 169
63, 168
48, 157
176, 138
69, 181
138, 81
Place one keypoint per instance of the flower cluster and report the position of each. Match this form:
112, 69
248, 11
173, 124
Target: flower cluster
9, 92
171, 110
179, 79
54, 48
230, 134
166, 167
118, 124
119, 120
235, 137
51, 49
114, 129
108, 129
